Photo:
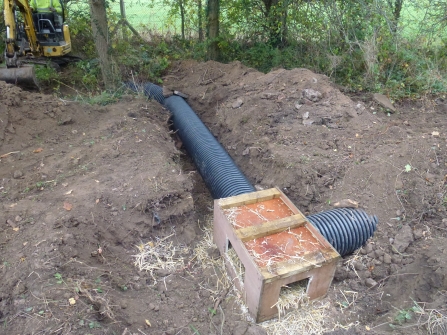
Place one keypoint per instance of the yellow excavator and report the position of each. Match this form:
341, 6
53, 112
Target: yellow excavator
32, 38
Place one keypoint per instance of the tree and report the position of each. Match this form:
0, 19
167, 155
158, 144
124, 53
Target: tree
101, 37
396, 7
276, 16
213, 9
199, 17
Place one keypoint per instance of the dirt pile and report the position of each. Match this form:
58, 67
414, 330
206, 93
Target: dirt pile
296, 130
82, 186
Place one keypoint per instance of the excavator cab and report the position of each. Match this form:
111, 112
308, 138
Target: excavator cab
49, 28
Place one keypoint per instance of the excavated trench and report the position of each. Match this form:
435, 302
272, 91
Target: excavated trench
346, 229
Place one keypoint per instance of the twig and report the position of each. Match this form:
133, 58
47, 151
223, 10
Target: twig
221, 297
223, 320
397, 274
9, 153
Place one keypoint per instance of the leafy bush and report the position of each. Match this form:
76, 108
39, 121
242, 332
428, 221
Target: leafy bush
47, 76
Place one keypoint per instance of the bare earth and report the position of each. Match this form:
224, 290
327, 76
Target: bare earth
84, 189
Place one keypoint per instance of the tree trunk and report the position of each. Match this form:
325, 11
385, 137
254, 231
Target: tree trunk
213, 29
199, 12
276, 17
101, 37
397, 8
182, 16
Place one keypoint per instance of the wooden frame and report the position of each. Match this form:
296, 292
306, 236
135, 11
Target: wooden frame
268, 220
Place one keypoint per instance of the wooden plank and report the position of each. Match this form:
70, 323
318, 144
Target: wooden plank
270, 227
249, 198
309, 261
289, 203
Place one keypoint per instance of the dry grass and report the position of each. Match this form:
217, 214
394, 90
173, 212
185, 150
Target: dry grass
437, 322
237, 265
292, 296
160, 255
308, 319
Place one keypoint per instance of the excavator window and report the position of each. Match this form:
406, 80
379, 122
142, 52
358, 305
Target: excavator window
48, 25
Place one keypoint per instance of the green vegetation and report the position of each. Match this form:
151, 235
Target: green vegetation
395, 47
58, 278
405, 315
46, 74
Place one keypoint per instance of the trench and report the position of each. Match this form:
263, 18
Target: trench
346, 229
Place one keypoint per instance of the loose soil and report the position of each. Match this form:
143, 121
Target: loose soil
84, 189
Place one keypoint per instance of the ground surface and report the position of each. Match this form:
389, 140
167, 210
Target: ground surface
84, 189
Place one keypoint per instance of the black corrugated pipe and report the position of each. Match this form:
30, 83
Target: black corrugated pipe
150, 90
221, 175
345, 228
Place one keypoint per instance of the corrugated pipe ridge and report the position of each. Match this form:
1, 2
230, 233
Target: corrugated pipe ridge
346, 229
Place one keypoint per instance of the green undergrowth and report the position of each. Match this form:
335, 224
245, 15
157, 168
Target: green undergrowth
406, 71
364, 46
381, 62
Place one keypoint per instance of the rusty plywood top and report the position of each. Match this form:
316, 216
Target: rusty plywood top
278, 238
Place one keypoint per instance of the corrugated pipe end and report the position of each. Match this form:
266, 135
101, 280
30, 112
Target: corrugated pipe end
347, 229
150, 90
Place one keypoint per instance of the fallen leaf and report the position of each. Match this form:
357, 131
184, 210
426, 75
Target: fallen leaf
68, 206
13, 205
367, 328
68, 192
148, 323
16, 228
435, 133
97, 181
72, 301
97, 201
36, 151
25, 243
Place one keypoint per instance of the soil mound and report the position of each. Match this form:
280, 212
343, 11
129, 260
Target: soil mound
83, 188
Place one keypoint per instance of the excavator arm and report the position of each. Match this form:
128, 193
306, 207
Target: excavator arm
13, 50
